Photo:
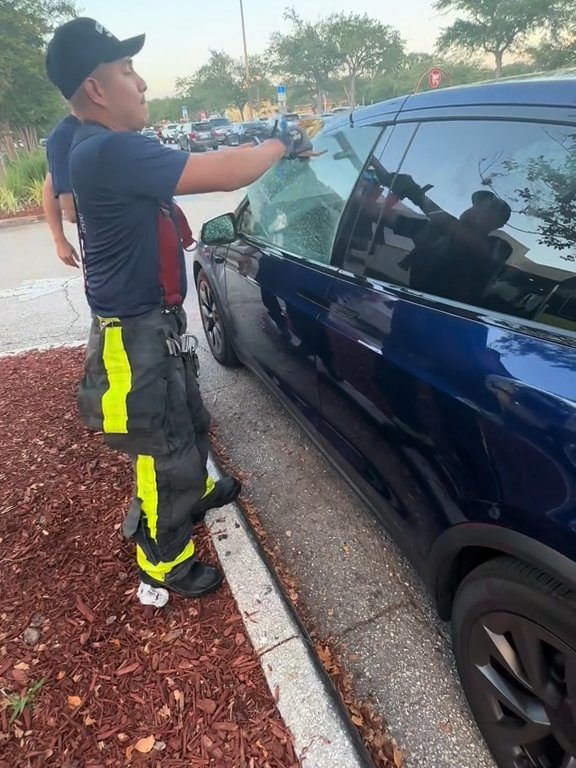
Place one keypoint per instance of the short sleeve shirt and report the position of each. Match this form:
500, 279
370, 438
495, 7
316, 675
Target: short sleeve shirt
58, 146
121, 180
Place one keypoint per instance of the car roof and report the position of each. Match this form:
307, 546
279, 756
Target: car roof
556, 89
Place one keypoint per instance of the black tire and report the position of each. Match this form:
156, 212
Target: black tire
213, 323
514, 637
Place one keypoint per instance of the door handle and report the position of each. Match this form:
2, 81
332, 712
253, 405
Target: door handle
320, 301
218, 259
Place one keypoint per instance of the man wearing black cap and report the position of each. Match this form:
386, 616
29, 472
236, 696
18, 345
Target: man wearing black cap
139, 386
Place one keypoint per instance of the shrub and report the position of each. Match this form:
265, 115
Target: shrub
21, 181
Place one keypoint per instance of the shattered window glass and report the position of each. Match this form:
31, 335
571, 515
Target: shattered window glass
297, 205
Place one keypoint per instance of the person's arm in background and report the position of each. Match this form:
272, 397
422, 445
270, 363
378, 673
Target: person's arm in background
66, 200
52, 208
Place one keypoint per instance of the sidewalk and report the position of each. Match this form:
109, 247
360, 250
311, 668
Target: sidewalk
89, 677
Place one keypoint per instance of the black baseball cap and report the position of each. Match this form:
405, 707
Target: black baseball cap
484, 197
81, 45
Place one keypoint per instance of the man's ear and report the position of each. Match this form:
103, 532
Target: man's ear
94, 91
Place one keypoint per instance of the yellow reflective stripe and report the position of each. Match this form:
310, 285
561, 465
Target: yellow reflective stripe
147, 491
161, 570
210, 483
117, 365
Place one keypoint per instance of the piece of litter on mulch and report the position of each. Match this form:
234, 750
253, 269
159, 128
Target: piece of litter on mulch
154, 596
31, 636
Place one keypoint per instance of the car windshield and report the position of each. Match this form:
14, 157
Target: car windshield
218, 122
202, 126
172, 126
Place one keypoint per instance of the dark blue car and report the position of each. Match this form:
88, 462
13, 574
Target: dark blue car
410, 294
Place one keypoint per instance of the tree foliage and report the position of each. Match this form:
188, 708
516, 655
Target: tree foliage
364, 47
26, 96
304, 57
500, 26
554, 53
221, 83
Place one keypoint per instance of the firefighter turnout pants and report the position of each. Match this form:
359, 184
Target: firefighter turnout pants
140, 390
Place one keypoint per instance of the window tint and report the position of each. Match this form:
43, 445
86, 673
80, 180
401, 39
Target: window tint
478, 212
297, 205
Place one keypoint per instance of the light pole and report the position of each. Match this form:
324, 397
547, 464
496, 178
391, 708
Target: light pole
246, 64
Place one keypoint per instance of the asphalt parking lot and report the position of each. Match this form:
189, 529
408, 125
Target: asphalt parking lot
354, 583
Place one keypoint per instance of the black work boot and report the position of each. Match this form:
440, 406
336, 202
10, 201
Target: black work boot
225, 491
200, 580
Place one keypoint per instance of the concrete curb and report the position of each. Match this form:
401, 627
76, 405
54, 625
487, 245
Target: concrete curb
43, 348
322, 734
22, 220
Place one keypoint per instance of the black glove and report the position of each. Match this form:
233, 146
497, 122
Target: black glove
294, 138
405, 186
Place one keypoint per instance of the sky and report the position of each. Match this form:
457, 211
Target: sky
178, 40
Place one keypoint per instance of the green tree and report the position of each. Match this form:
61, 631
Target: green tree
27, 99
260, 88
305, 57
365, 47
217, 85
498, 27
169, 108
554, 53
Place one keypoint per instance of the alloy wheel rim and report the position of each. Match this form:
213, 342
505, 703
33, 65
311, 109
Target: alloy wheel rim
211, 319
527, 679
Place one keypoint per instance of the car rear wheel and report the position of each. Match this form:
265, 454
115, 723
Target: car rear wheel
214, 328
514, 635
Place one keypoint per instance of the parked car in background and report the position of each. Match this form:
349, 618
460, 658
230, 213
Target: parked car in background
202, 133
186, 139
244, 133
409, 293
150, 133
221, 127
170, 133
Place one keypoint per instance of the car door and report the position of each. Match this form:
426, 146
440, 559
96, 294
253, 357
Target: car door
278, 271
451, 384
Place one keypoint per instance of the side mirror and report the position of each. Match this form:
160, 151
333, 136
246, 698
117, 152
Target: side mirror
219, 231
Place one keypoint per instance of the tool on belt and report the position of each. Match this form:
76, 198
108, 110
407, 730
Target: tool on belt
185, 346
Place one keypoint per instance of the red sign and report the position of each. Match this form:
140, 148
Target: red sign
435, 78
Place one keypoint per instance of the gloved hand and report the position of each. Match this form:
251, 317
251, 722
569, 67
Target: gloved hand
405, 186
294, 138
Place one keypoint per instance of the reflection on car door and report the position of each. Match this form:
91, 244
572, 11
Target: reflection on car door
274, 303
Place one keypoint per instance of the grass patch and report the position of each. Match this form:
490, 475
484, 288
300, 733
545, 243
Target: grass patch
18, 702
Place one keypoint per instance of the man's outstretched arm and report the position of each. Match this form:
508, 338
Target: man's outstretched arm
227, 171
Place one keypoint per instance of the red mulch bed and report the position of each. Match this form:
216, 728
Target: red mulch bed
123, 684
21, 214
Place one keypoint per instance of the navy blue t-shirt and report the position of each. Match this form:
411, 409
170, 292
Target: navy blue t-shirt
58, 145
120, 181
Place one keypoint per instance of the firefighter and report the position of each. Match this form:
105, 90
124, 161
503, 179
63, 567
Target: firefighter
139, 387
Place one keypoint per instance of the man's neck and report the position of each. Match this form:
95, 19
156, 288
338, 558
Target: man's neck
90, 116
